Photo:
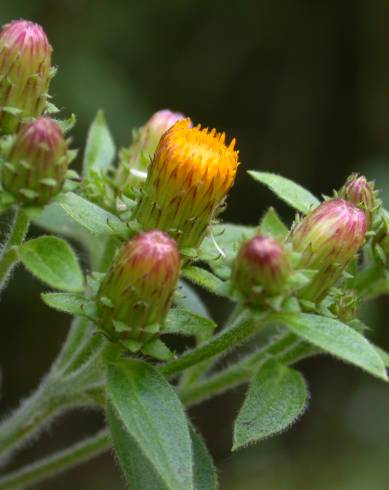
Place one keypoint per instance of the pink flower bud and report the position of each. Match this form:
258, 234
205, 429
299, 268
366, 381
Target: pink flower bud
36, 165
25, 73
360, 192
137, 290
261, 268
135, 160
327, 239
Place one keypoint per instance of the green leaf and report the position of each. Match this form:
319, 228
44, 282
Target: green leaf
204, 471
336, 338
383, 355
91, 217
152, 414
228, 238
187, 298
287, 190
276, 397
137, 469
52, 261
205, 279
271, 224
186, 322
71, 303
100, 148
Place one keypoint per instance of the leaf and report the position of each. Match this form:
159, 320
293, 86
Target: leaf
153, 417
186, 322
71, 303
96, 220
293, 194
276, 397
100, 148
187, 298
205, 279
54, 262
336, 338
383, 355
228, 238
137, 469
272, 224
204, 471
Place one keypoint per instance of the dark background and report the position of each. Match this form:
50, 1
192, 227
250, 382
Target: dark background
304, 87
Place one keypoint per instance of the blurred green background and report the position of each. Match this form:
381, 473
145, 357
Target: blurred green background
304, 86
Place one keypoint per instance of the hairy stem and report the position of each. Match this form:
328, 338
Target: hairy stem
55, 464
9, 255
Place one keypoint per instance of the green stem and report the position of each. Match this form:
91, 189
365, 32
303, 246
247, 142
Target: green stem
9, 255
53, 465
223, 342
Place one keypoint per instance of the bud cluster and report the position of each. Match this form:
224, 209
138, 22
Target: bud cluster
189, 177
136, 292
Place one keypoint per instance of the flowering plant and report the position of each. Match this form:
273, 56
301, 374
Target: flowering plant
151, 228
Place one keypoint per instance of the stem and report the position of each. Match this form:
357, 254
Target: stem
224, 342
59, 462
9, 255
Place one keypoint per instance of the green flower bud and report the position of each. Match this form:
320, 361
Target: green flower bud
136, 293
360, 192
25, 73
36, 165
327, 239
261, 268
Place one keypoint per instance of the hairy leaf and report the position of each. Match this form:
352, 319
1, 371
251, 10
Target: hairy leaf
293, 194
276, 397
271, 224
100, 148
52, 261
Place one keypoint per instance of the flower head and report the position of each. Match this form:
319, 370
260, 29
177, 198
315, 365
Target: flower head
360, 192
261, 268
327, 239
137, 290
37, 162
25, 73
135, 160
189, 177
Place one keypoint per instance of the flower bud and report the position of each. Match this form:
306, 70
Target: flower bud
360, 192
37, 162
135, 160
327, 239
25, 73
261, 268
136, 292
188, 179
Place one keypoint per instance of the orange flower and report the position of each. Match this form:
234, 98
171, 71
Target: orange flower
190, 175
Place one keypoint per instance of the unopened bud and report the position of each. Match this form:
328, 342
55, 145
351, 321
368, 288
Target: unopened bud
327, 239
36, 165
25, 73
135, 160
188, 179
261, 268
136, 293
360, 192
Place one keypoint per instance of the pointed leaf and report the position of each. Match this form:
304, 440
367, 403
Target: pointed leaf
336, 338
96, 220
272, 224
276, 397
100, 148
153, 416
186, 322
204, 470
54, 262
205, 279
293, 194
